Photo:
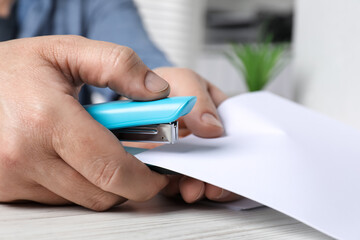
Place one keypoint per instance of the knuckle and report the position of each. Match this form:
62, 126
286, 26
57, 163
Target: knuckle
8, 161
106, 172
125, 59
126, 55
9, 165
103, 202
145, 196
39, 117
10, 158
117, 60
188, 72
120, 61
191, 74
121, 57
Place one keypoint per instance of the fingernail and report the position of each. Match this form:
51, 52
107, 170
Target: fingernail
201, 192
222, 195
211, 120
194, 195
154, 83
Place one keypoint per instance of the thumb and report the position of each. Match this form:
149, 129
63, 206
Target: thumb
104, 64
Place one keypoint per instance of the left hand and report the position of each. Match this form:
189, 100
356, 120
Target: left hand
203, 121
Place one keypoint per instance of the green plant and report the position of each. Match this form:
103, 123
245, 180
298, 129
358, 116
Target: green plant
259, 63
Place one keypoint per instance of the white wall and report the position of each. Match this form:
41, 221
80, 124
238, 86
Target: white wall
251, 5
177, 26
327, 57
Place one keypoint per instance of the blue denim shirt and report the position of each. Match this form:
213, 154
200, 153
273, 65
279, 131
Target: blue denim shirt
114, 21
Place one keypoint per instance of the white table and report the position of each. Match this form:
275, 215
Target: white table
159, 218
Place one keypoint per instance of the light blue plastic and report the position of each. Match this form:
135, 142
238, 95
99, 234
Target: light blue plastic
122, 114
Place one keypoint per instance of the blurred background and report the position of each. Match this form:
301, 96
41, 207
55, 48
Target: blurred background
321, 64
196, 34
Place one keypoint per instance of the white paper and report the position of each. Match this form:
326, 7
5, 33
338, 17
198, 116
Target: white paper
279, 154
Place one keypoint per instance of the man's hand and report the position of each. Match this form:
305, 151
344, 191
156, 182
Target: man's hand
202, 121
51, 150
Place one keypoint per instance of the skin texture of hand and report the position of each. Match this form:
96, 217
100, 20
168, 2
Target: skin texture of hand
202, 121
52, 151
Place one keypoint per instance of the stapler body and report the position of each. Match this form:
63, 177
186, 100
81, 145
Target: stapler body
152, 121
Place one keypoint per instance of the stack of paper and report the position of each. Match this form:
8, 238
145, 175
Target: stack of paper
279, 154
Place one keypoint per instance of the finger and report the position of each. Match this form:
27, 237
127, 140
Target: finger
217, 97
47, 197
191, 189
44, 196
172, 188
183, 130
17, 185
216, 94
219, 195
144, 145
39, 194
95, 153
104, 64
203, 120
73, 187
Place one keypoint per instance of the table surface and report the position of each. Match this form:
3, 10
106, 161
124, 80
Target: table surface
159, 218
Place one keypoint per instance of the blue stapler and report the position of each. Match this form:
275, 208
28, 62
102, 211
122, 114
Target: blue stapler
152, 121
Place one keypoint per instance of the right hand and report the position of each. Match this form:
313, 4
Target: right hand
51, 150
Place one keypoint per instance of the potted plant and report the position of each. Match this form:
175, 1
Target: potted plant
258, 63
